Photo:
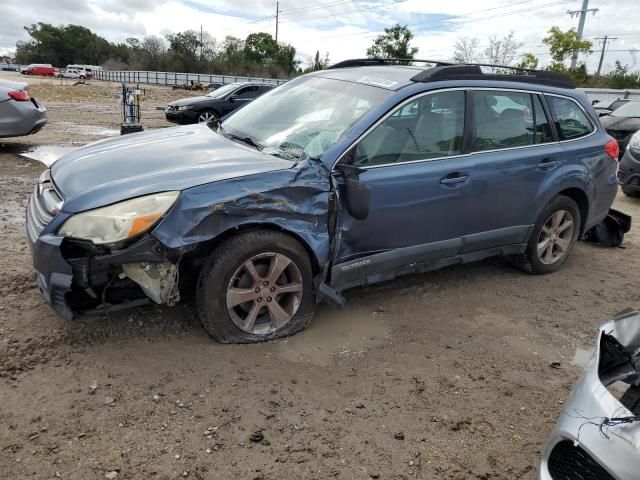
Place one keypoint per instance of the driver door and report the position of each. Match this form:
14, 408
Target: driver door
419, 182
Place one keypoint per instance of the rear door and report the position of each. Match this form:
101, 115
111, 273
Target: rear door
514, 151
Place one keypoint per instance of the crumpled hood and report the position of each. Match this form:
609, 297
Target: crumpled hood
165, 159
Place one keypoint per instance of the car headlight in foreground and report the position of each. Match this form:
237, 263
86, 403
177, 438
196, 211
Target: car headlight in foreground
634, 144
119, 221
184, 107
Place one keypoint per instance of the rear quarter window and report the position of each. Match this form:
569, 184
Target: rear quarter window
571, 121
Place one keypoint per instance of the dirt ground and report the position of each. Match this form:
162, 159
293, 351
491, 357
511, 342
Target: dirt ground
439, 376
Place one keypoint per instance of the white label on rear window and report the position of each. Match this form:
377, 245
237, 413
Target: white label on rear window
377, 81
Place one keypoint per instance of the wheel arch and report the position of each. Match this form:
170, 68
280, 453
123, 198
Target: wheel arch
204, 249
582, 200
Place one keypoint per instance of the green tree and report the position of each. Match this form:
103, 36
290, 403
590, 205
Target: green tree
528, 60
261, 48
393, 44
564, 45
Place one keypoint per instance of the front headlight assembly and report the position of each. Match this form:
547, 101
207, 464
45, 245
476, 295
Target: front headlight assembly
634, 143
184, 107
119, 221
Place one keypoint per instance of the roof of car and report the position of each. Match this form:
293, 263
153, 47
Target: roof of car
391, 77
389, 74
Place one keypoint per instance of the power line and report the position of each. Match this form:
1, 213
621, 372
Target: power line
296, 19
462, 22
323, 5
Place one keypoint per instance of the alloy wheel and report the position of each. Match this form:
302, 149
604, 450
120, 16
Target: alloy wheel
555, 237
264, 293
206, 117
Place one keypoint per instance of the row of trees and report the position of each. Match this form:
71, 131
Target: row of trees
563, 45
189, 51
260, 55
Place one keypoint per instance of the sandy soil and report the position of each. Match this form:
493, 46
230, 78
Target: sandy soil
457, 361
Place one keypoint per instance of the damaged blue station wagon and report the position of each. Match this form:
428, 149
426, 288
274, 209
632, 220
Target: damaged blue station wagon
344, 177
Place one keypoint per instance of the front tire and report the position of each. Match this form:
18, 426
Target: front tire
256, 286
553, 238
630, 192
207, 116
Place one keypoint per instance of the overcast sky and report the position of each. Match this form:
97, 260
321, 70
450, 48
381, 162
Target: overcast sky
343, 28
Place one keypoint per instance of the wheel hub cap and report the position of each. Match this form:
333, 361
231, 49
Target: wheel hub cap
264, 293
555, 237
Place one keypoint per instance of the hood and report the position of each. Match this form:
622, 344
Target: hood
141, 163
611, 122
191, 101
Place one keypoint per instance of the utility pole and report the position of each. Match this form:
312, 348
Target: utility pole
201, 45
583, 15
277, 16
604, 47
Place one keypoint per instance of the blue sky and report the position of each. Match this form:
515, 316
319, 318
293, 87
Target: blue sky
341, 28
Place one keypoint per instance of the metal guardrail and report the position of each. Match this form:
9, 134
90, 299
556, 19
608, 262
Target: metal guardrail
607, 94
175, 78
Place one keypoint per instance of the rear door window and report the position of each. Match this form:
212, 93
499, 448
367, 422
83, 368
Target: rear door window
503, 120
571, 121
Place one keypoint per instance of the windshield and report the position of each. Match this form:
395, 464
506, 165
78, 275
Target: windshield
223, 91
630, 109
304, 117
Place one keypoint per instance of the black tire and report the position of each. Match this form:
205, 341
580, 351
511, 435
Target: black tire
222, 265
530, 260
630, 192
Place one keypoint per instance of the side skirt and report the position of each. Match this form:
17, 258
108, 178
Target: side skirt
383, 266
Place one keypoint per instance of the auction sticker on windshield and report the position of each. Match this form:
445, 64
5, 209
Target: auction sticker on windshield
377, 81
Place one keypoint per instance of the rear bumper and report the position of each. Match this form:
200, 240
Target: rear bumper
21, 118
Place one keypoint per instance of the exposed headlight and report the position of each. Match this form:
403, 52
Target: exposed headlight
634, 143
119, 221
184, 107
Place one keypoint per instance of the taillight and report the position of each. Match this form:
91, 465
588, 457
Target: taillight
612, 149
19, 95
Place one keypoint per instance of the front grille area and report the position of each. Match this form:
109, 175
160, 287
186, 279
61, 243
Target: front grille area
43, 205
567, 462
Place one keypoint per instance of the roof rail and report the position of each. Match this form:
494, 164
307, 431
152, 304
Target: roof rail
444, 70
369, 62
474, 72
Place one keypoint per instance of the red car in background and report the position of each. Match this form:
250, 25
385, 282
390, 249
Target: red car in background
44, 69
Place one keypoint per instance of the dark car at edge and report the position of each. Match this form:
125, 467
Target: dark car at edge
337, 179
622, 123
216, 104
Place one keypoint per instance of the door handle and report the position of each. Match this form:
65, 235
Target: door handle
547, 164
454, 179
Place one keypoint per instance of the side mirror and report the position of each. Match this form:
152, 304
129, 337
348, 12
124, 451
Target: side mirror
232, 98
357, 193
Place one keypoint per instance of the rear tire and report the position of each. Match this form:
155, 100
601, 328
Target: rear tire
553, 237
255, 287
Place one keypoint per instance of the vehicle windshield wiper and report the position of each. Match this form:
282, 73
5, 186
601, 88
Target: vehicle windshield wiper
248, 140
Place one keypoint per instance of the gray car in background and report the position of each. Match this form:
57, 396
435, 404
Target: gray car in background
20, 114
